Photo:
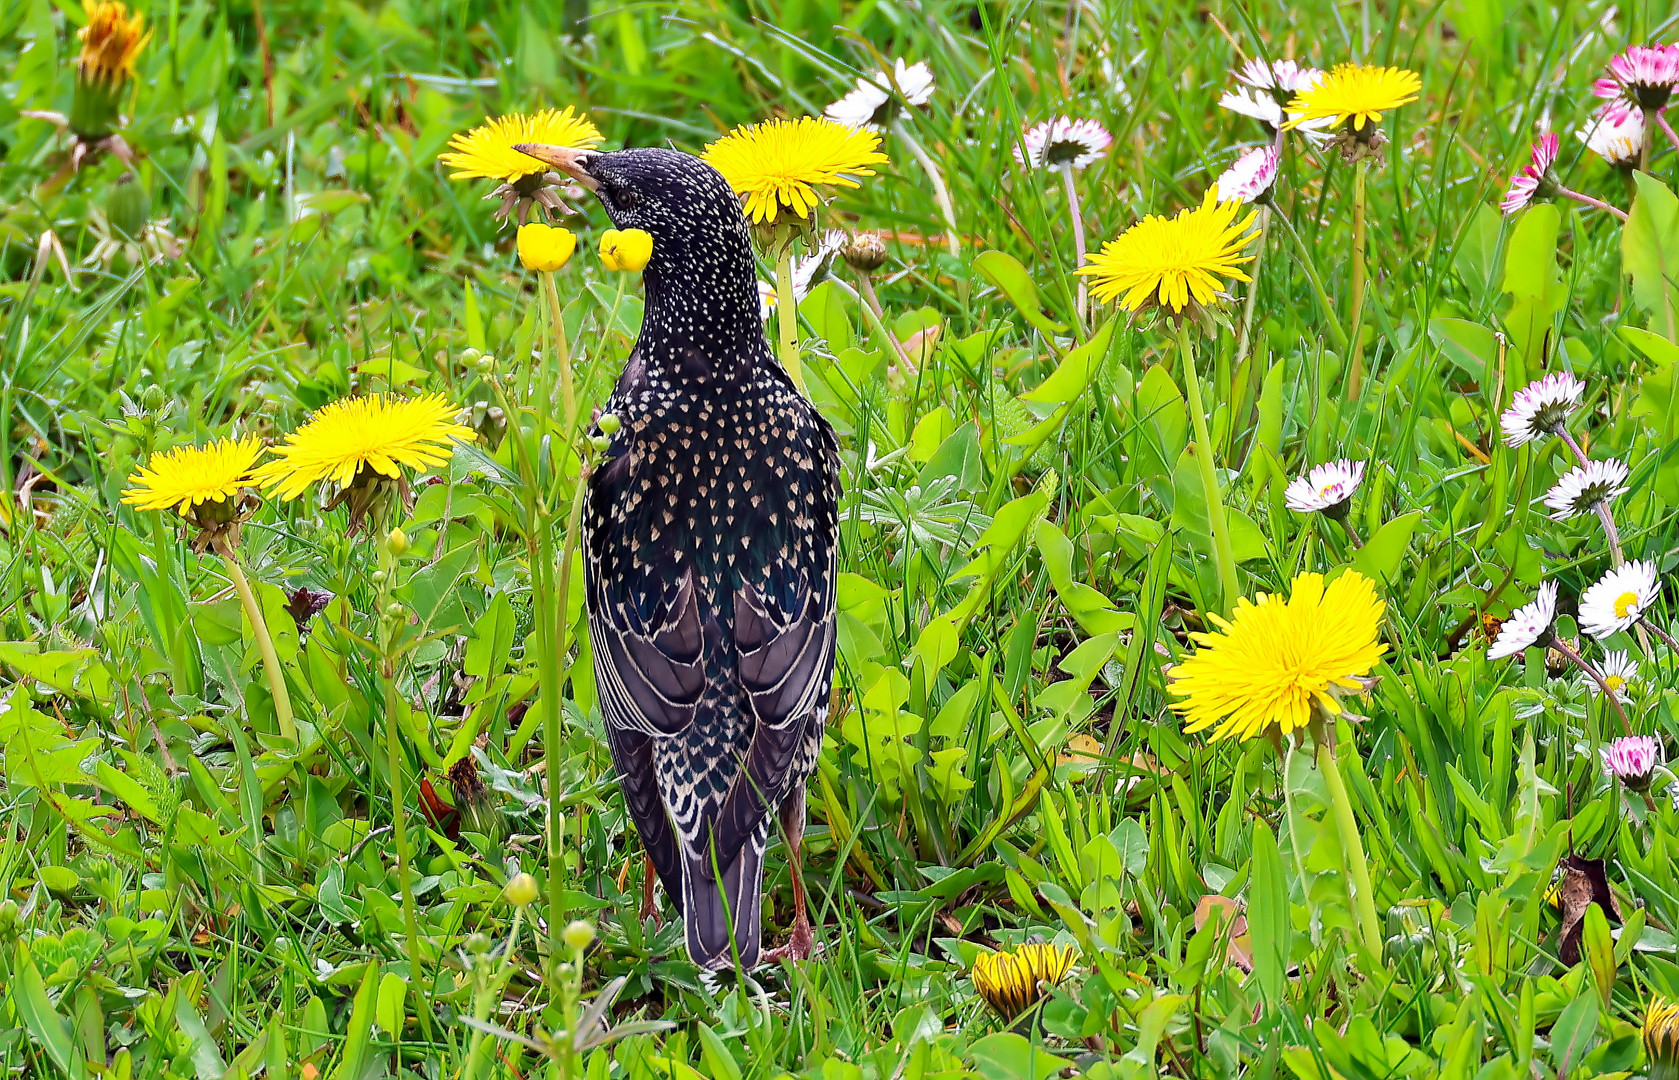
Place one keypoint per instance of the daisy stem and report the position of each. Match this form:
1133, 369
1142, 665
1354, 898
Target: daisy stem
1304, 257
1666, 637
787, 319
1650, 116
1604, 514
1352, 848
1245, 341
941, 194
265, 642
876, 318
1347, 527
1077, 214
1672, 137
568, 392
1579, 661
1224, 556
1588, 200
1355, 368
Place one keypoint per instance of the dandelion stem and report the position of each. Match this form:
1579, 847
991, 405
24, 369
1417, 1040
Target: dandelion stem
265, 642
1224, 556
1077, 214
876, 319
1579, 661
1304, 257
568, 392
1352, 848
1604, 514
394, 760
556, 890
787, 319
941, 194
1245, 342
1355, 368
1588, 200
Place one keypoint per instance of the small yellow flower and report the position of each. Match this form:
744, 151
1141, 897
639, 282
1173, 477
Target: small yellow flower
111, 40
376, 434
1012, 982
626, 249
1661, 1038
1169, 261
1269, 665
776, 167
545, 248
187, 476
487, 151
1357, 92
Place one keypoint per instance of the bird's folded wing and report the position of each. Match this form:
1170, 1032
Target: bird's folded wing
651, 673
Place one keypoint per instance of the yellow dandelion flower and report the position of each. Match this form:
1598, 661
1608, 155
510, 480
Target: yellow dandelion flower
374, 434
111, 40
182, 478
777, 166
1357, 92
1661, 1038
1012, 982
1270, 664
487, 152
1171, 261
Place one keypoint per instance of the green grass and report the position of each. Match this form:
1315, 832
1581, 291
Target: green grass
186, 895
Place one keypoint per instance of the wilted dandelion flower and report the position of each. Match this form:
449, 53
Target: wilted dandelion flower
1355, 94
778, 166
1584, 486
1534, 179
1619, 599
111, 41
1632, 759
1327, 489
1173, 261
1528, 625
1249, 178
1277, 661
1012, 982
1541, 408
187, 477
1661, 1035
1063, 143
1615, 133
1643, 76
361, 445
487, 152
870, 104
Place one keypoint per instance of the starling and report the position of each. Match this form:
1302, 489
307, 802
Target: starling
711, 543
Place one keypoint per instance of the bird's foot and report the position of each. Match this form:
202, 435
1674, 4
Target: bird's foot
802, 945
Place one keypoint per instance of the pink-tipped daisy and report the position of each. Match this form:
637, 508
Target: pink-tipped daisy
1619, 598
1644, 76
1283, 77
1250, 177
1326, 489
1535, 177
1063, 142
1528, 625
1541, 408
1584, 486
1632, 759
1615, 133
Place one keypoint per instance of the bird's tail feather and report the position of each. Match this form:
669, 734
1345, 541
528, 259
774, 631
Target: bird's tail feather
722, 913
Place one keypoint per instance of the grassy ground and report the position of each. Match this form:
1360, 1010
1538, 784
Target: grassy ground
190, 895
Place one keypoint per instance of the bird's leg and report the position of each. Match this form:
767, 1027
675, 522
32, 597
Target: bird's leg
802, 944
649, 910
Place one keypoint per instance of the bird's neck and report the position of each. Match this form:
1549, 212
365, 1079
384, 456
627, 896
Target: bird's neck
691, 309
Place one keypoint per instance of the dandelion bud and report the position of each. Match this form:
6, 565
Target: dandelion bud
626, 249
578, 934
865, 252
609, 423
545, 248
127, 206
111, 43
521, 890
397, 541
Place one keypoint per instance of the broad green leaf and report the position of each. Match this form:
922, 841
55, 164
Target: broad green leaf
1011, 278
1008, 1056
1384, 553
1650, 252
1076, 371
393, 995
1469, 345
358, 1036
1270, 926
29, 997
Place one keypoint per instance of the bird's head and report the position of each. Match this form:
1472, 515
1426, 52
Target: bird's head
702, 252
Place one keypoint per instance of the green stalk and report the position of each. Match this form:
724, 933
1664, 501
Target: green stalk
393, 763
787, 319
556, 823
1224, 556
265, 642
1355, 370
1352, 848
941, 193
568, 393
1304, 256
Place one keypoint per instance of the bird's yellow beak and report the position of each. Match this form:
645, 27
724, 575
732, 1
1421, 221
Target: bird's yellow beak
568, 160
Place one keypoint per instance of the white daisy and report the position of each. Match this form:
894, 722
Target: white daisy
1643, 77
1250, 177
1063, 141
1534, 177
1584, 486
1527, 625
1328, 488
1632, 759
1267, 110
1541, 407
767, 299
1284, 76
869, 104
1615, 134
1619, 599
1620, 672
810, 270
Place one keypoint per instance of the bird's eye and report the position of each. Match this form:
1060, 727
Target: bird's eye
624, 197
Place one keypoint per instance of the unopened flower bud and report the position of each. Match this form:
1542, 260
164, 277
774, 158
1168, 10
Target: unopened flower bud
10, 917
378, 577
393, 610
578, 934
477, 944
486, 364
609, 423
397, 541
471, 355
865, 252
153, 398
545, 248
521, 890
626, 249
600, 443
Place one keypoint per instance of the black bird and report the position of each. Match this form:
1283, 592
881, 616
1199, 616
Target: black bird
711, 540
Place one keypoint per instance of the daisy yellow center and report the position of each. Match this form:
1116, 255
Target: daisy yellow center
778, 165
1360, 93
1614, 682
1625, 603
487, 151
1275, 660
377, 433
1171, 261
